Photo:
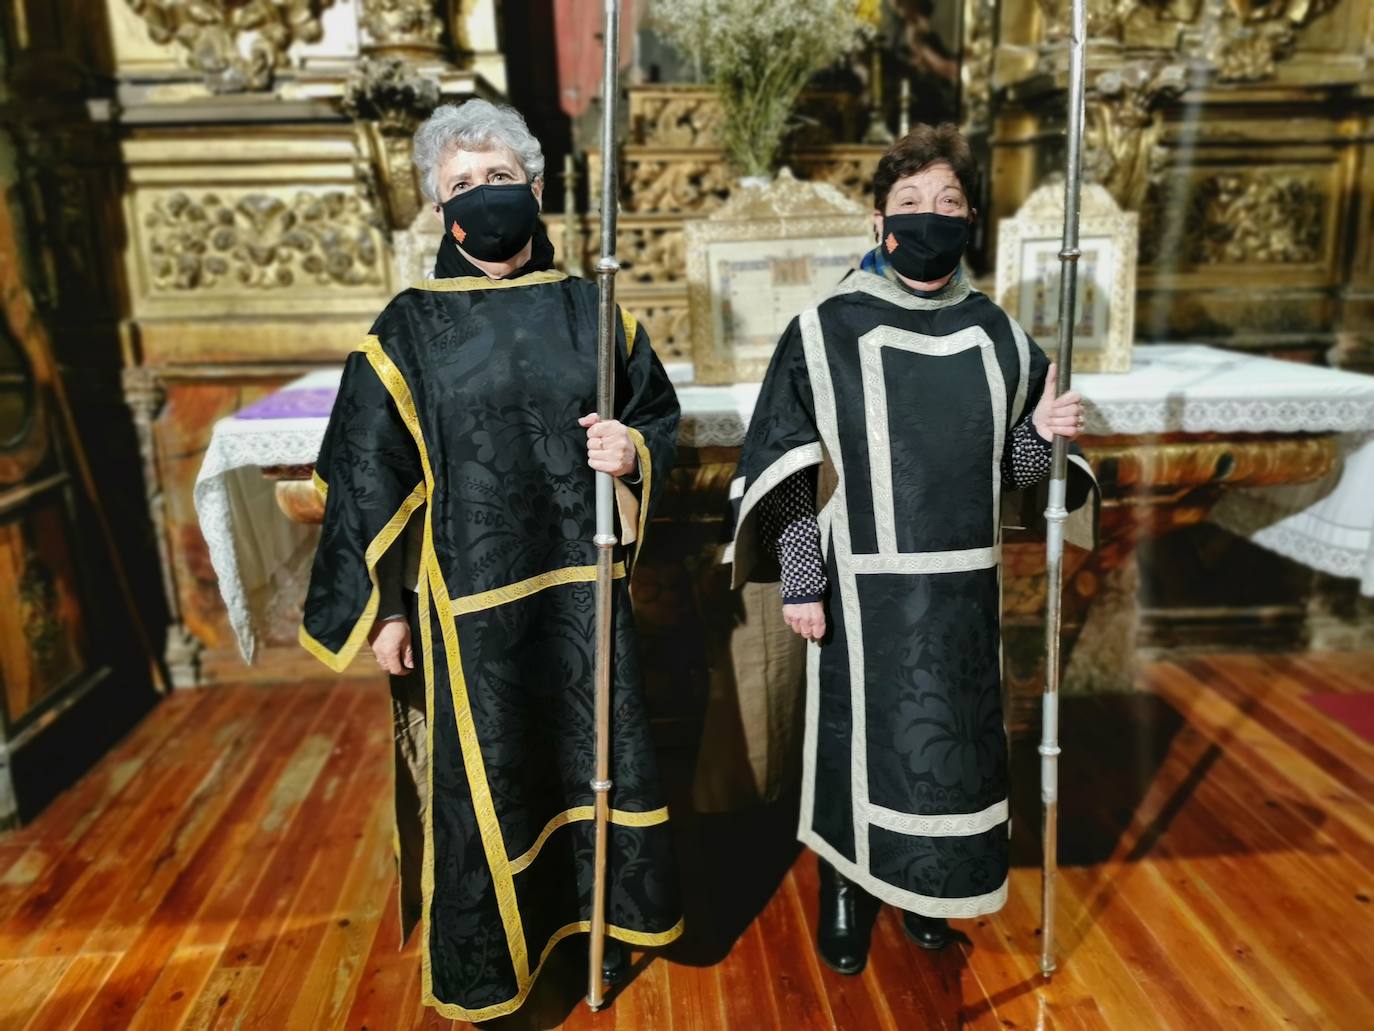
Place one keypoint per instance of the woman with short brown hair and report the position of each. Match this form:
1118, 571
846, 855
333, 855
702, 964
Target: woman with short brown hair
912, 401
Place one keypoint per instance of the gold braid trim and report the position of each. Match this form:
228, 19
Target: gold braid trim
523, 589
631, 325
464, 284
622, 817
484, 808
340, 660
433, 591
646, 478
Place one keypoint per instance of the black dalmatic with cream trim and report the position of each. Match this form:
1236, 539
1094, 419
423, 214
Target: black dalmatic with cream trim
906, 404
461, 411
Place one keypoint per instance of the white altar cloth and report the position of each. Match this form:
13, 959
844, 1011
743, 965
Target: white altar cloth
262, 559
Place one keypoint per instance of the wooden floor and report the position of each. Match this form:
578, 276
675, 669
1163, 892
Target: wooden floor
229, 864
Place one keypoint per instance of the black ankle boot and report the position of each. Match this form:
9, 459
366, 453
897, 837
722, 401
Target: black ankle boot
842, 945
929, 932
615, 961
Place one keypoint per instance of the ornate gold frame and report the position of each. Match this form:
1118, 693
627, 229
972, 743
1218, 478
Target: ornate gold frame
784, 209
1040, 221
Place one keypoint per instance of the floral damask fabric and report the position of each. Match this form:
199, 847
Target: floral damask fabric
461, 411
787, 514
907, 408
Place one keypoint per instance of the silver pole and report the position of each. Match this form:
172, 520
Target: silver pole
1055, 512
606, 268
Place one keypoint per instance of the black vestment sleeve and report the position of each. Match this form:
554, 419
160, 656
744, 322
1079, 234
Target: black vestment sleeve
782, 440
647, 405
370, 471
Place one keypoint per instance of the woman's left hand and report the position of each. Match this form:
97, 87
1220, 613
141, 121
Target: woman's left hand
1058, 416
609, 448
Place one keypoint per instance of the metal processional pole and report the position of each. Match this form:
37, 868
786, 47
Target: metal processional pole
1055, 512
606, 268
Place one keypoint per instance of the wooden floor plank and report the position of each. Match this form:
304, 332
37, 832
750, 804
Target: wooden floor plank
106, 902
226, 848
1011, 989
25, 984
355, 776
644, 1003
72, 812
796, 976
696, 997
383, 998
257, 819
144, 800
910, 989
1219, 873
1298, 724
173, 995
72, 993
325, 991
223, 1001
746, 981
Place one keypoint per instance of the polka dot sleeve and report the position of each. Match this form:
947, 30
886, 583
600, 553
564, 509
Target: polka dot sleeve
1026, 458
787, 520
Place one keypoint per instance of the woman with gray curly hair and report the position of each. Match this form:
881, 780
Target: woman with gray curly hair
458, 473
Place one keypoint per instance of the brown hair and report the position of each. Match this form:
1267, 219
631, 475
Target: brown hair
922, 147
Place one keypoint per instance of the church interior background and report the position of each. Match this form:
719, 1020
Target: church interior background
206, 200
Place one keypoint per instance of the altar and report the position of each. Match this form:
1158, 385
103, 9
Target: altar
1280, 453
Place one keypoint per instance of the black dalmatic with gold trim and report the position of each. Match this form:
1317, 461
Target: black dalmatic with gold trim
461, 410
904, 403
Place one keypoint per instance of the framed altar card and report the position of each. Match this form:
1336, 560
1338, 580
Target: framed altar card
1028, 274
765, 257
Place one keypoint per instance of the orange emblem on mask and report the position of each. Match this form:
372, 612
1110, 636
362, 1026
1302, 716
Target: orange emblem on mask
459, 233
891, 242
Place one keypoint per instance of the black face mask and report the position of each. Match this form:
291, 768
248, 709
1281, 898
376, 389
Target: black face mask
492, 223
925, 247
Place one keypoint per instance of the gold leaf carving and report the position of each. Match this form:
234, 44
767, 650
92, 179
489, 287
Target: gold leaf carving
261, 242
1260, 220
237, 45
1123, 128
1234, 218
407, 24
1246, 39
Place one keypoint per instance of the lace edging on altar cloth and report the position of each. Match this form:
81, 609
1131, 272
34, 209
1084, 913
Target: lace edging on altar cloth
244, 446
1293, 535
1327, 525
1191, 415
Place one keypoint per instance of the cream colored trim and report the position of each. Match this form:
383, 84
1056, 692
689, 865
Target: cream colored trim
1018, 403
850, 566
871, 346
926, 905
917, 563
955, 825
790, 462
859, 282
827, 422
997, 394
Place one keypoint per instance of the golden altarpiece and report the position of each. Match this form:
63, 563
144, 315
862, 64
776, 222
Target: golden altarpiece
217, 191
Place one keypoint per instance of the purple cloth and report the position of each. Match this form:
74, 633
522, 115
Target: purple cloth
314, 403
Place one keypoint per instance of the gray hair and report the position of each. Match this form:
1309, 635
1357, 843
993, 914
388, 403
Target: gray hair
474, 125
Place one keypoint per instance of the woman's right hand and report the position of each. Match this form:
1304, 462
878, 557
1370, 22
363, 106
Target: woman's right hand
806, 619
391, 645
